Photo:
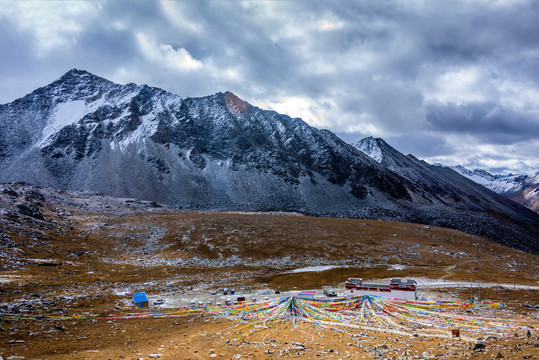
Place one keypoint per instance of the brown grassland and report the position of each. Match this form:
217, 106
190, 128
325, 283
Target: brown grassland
88, 258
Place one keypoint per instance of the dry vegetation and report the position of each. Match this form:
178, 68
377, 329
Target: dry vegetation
89, 253
175, 339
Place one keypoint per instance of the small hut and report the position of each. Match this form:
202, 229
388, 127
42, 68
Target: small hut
140, 299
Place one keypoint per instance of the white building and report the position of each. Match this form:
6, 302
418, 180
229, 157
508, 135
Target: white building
397, 288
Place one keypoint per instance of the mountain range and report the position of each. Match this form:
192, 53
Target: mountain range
523, 189
83, 132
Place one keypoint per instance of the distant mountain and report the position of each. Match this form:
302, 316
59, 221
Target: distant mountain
529, 196
498, 183
523, 189
218, 152
439, 181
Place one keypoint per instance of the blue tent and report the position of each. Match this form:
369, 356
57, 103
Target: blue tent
140, 299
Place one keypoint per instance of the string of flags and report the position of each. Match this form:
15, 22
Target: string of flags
345, 314
342, 314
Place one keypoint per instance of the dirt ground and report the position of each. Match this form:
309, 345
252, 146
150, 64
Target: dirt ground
88, 254
201, 338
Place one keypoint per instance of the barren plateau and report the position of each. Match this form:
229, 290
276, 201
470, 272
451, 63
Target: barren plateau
70, 253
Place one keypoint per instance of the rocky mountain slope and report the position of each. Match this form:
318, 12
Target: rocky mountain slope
84, 132
529, 196
523, 189
218, 152
438, 180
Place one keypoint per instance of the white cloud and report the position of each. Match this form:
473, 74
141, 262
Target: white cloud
365, 124
358, 68
462, 86
326, 25
52, 23
324, 113
177, 14
477, 84
296, 106
165, 55
496, 158
497, 3
519, 95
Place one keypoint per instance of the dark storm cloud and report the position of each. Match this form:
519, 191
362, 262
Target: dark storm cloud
489, 122
20, 50
391, 69
236, 39
18, 69
421, 144
116, 47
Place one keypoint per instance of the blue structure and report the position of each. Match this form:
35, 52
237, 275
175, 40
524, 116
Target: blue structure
307, 294
140, 299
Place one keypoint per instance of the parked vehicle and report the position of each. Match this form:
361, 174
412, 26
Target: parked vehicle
330, 293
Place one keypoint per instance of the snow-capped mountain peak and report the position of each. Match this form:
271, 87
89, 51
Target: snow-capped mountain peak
80, 75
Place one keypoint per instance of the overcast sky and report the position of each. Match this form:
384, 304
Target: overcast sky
455, 82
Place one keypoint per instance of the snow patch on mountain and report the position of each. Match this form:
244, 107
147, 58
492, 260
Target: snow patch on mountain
509, 184
523, 189
498, 183
65, 114
534, 194
370, 147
